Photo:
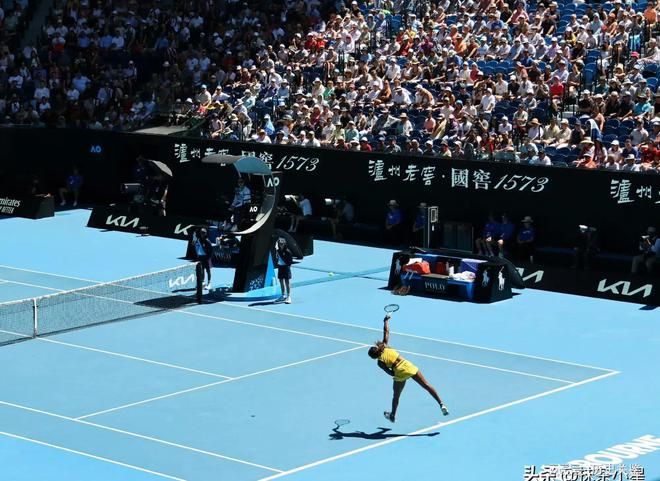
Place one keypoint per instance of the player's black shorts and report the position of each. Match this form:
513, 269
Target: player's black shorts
284, 272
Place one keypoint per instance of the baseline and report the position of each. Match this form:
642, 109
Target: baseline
437, 426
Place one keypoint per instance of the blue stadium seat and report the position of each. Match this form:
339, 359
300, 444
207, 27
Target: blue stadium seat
613, 122
628, 123
565, 151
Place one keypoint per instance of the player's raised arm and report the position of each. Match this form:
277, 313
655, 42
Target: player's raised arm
386, 328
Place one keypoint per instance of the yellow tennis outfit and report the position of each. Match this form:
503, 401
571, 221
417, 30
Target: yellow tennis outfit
403, 370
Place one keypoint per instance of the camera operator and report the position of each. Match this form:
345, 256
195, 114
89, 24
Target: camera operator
649, 246
586, 246
156, 189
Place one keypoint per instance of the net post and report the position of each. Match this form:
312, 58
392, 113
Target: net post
35, 318
199, 287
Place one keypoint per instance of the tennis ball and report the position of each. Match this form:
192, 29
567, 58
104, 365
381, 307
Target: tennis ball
331, 274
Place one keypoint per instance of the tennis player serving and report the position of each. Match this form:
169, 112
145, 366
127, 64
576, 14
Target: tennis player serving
400, 369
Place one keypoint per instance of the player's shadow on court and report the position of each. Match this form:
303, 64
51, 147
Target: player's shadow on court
382, 433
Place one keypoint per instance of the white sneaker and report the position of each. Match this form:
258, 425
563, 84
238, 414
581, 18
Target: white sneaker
281, 298
388, 416
288, 300
63, 203
445, 411
75, 204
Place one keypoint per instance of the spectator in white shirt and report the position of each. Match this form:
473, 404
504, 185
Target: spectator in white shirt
488, 102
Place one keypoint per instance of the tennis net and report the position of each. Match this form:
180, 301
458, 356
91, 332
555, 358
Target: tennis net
100, 303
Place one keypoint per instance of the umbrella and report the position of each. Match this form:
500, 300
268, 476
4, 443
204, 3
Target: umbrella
160, 168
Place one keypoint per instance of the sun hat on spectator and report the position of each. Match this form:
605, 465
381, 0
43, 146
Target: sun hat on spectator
587, 141
527, 220
393, 202
614, 142
535, 121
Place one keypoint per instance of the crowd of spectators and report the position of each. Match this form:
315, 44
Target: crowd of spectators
541, 83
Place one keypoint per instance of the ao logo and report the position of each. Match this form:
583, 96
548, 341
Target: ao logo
254, 209
273, 182
180, 281
96, 149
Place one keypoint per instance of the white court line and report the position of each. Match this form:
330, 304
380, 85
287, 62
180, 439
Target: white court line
34, 285
135, 358
302, 333
118, 354
443, 341
486, 367
522, 373
327, 321
276, 368
141, 436
88, 455
47, 274
438, 425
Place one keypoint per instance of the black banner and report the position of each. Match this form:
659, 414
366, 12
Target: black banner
620, 204
124, 218
30, 207
617, 286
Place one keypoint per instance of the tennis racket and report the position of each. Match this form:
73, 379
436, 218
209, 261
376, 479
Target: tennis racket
342, 422
390, 308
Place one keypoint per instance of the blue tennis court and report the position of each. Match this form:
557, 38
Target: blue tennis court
232, 391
